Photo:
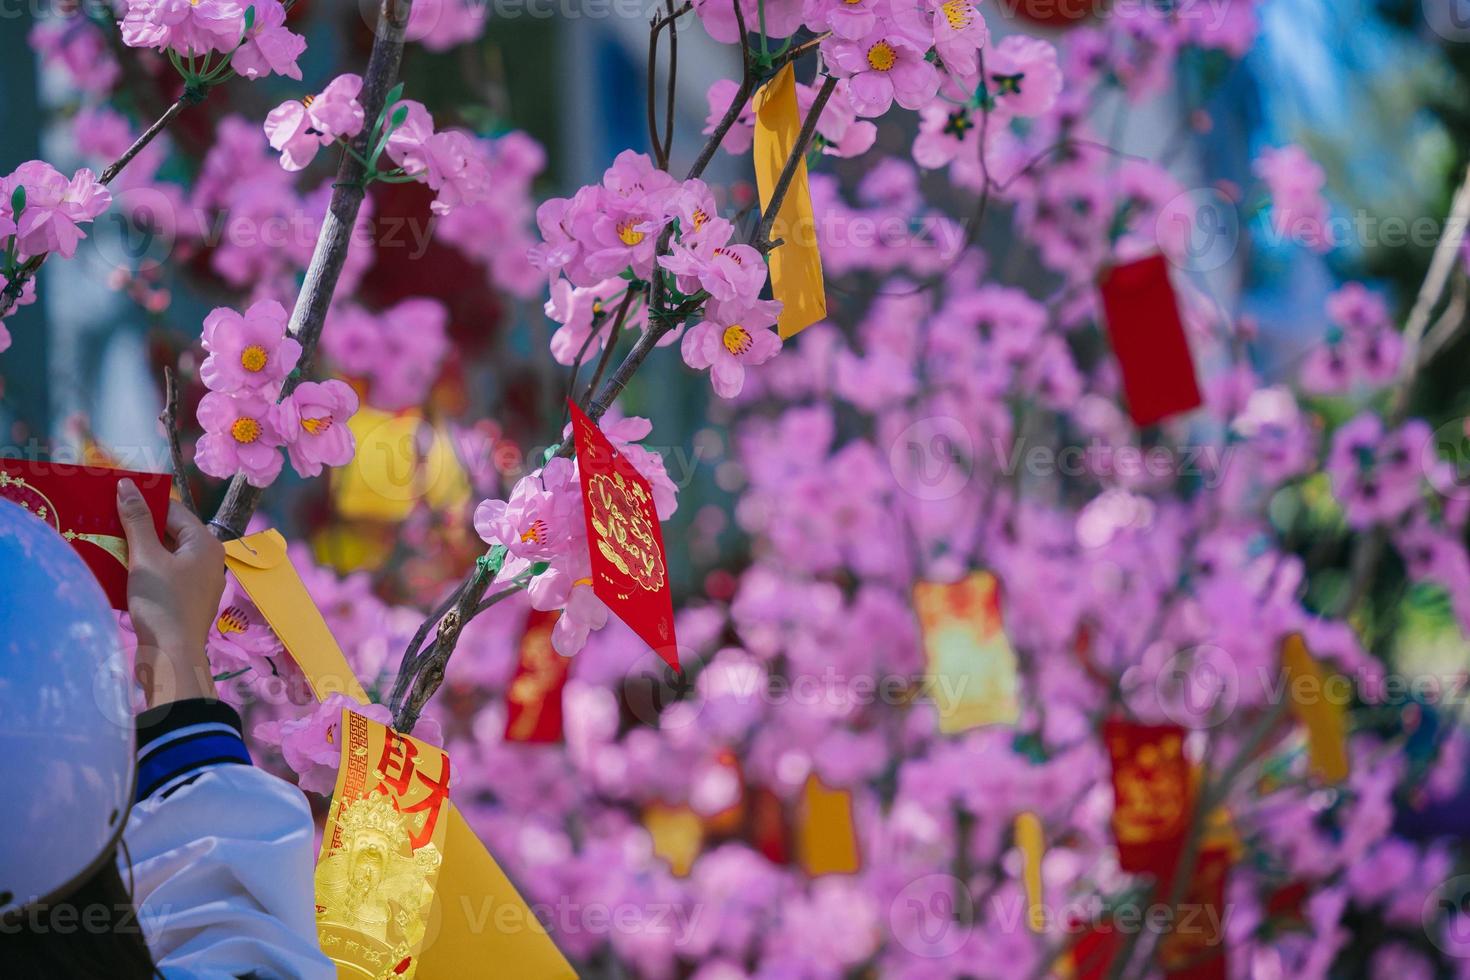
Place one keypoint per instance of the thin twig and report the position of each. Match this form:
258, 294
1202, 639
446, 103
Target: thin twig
430, 674
1446, 327
1441, 264
737, 104
415, 651
139, 144
654, 144
27, 271
669, 95
607, 350
169, 418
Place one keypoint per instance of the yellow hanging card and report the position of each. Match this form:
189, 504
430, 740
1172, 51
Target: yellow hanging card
796, 265
1032, 844
826, 838
1314, 705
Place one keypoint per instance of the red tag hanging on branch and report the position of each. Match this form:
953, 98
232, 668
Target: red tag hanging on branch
533, 711
1148, 339
1152, 794
80, 502
629, 570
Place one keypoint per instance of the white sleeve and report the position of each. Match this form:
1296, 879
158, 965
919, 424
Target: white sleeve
221, 863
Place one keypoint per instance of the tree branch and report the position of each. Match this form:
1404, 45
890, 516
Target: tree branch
330, 254
169, 418
28, 269
607, 350
430, 673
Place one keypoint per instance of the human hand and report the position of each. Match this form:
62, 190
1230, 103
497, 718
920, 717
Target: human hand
174, 589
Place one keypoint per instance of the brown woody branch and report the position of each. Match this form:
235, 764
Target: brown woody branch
169, 419
325, 269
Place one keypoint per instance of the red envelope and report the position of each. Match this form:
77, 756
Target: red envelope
1148, 340
81, 503
629, 570
1153, 795
533, 700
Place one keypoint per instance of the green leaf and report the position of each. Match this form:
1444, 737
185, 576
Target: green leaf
249, 19
540, 567
18, 200
399, 115
394, 94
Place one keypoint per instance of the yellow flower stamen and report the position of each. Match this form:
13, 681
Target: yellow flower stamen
629, 235
737, 340
231, 620
254, 358
699, 218
537, 533
318, 425
881, 56
245, 430
958, 13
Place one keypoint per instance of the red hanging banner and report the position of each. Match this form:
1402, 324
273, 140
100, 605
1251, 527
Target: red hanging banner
629, 569
533, 710
1148, 339
1152, 794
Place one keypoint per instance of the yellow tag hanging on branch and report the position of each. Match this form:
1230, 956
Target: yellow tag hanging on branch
1032, 844
1318, 705
678, 835
400, 460
826, 836
796, 265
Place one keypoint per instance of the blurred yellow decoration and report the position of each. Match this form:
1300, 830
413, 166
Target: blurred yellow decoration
1313, 702
354, 546
972, 668
677, 833
826, 837
1032, 844
796, 265
400, 460
479, 917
